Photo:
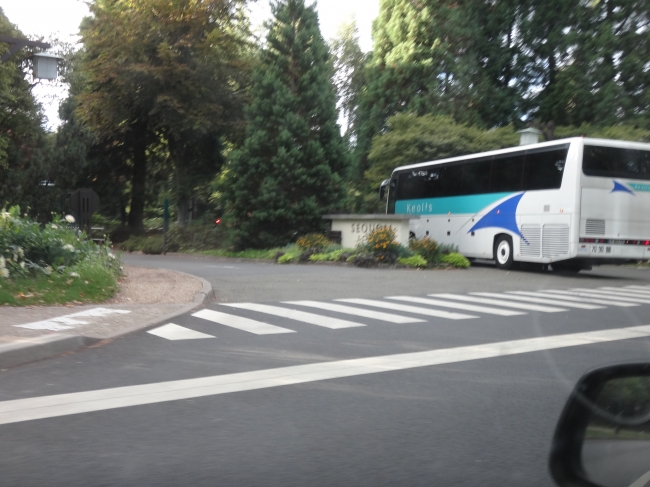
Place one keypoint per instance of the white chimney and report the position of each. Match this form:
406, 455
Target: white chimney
529, 136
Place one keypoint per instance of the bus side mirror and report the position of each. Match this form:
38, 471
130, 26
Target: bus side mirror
382, 189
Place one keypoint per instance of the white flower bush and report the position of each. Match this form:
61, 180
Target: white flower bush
27, 248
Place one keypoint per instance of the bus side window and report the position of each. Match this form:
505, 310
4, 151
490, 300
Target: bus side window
453, 183
507, 173
476, 176
544, 168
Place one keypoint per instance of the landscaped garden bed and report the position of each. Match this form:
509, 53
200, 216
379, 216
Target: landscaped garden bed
52, 264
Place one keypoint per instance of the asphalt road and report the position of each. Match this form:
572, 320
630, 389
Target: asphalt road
470, 401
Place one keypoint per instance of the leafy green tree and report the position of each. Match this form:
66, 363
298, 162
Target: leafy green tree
24, 145
160, 70
410, 139
616, 132
288, 172
424, 62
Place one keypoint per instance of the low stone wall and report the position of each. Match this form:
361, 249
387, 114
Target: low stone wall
355, 228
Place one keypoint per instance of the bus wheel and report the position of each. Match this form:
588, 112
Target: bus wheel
503, 254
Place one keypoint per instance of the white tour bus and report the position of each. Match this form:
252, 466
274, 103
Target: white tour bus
572, 203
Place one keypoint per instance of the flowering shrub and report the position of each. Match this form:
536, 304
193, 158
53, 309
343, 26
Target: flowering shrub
313, 241
382, 243
27, 248
425, 247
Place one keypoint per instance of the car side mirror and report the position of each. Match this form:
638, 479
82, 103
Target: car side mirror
603, 436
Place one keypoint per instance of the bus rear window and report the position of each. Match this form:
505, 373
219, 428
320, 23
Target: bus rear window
614, 162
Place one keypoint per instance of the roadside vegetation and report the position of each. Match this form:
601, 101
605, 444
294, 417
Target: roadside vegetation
52, 264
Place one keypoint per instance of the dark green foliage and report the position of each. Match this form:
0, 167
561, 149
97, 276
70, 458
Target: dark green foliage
288, 173
410, 139
24, 146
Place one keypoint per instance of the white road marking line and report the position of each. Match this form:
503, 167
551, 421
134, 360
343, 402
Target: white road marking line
292, 314
376, 315
68, 322
540, 300
626, 292
19, 410
564, 297
244, 324
463, 306
595, 293
409, 309
500, 302
170, 331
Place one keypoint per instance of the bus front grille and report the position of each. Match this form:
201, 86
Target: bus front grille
555, 240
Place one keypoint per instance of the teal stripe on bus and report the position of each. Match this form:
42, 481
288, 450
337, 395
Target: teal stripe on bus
449, 204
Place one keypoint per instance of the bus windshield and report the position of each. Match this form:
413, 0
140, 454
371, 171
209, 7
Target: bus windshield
616, 162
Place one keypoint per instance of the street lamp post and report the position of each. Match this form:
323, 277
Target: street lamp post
45, 65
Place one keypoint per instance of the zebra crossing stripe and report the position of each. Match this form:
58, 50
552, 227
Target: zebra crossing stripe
244, 324
409, 309
584, 294
292, 314
500, 302
596, 293
171, 331
540, 300
635, 293
366, 313
640, 289
463, 306
563, 297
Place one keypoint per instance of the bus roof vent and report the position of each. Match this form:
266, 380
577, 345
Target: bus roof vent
529, 136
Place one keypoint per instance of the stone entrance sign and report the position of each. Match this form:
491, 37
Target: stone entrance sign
355, 228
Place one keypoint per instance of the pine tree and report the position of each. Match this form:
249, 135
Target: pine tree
288, 173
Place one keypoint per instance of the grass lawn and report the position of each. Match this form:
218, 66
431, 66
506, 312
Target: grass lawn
93, 286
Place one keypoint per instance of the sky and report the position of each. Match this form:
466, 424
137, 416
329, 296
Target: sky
61, 18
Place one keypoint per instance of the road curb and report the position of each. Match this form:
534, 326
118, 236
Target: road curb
33, 349
49, 346
204, 296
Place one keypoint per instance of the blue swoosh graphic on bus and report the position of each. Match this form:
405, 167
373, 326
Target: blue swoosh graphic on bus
618, 187
502, 216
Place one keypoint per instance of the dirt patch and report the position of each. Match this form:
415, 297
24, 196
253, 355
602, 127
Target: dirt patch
140, 285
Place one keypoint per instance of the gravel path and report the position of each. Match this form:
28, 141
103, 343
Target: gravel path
155, 286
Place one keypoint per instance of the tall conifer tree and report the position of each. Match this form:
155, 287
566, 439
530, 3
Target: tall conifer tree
288, 173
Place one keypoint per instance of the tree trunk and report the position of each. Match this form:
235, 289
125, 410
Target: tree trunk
183, 191
138, 185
